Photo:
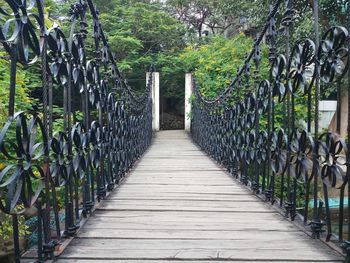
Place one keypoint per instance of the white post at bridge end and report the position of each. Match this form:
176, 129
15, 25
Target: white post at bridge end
188, 106
155, 100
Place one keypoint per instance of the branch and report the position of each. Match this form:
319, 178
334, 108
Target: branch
323, 19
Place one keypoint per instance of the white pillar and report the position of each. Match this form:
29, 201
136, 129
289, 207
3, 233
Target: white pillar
155, 100
188, 106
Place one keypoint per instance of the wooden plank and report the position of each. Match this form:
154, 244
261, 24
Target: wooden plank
266, 236
177, 205
183, 205
183, 189
166, 244
200, 254
165, 261
182, 196
169, 261
242, 225
188, 215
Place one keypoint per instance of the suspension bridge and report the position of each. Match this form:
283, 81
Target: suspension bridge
236, 188
178, 204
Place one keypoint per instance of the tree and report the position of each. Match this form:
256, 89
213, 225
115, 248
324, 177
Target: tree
141, 33
200, 15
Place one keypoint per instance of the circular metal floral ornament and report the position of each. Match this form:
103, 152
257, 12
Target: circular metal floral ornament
332, 157
93, 83
302, 67
60, 169
261, 147
21, 28
332, 54
278, 75
263, 96
95, 140
80, 143
58, 55
301, 148
279, 142
22, 182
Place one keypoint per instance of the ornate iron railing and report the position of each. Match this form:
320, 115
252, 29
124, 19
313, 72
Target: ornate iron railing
294, 166
85, 159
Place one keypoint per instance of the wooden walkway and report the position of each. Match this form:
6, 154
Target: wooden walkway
178, 205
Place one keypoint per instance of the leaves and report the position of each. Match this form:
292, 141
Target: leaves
216, 63
6, 228
25, 81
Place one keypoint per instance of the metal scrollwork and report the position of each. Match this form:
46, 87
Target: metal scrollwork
260, 139
39, 157
21, 20
332, 157
332, 53
278, 74
301, 67
24, 156
279, 153
58, 51
301, 147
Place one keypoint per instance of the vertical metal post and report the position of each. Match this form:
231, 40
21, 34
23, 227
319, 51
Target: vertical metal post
270, 179
13, 79
339, 106
291, 194
16, 238
316, 219
40, 231
257, 117
47, 214
347, 243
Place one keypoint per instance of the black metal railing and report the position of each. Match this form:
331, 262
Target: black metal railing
86, 158
299, 168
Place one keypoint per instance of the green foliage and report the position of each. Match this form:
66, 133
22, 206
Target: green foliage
333, 12
25, 81
140, 29
142, 33
6, 229
216, 63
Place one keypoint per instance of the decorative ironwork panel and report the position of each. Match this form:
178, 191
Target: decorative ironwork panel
86, 158
296, 168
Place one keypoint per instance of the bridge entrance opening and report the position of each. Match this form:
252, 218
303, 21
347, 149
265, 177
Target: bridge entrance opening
172, 103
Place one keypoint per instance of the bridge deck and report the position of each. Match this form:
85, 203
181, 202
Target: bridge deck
177, 204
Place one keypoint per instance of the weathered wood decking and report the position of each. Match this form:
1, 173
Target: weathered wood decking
177, 204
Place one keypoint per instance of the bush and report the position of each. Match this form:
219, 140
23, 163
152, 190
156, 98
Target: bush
217, 62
